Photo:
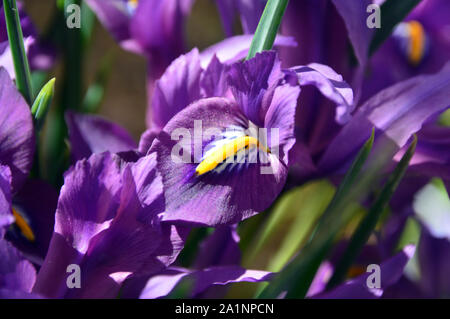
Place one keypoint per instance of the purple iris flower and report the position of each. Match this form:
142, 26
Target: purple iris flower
419, 44
156, 29
108, 223
150, 27
187, 79
262, 97
257, 94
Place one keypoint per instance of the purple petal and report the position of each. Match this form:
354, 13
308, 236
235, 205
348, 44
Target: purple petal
158, 27
390, 270
115, 16
214, 198
236, 48
321, 278
398, 112
251, 12
227, 10
331, 85
6, 216
213, 81
281, 116
146, 140
16, 131
17, 275
251, 80
6, 59
107, 223
90, 134
354, 14
219, 249
161, 285
434, 260
177, 88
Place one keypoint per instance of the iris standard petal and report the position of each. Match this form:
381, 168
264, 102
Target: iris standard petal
177, 88
236, 48
250, 82
213, 81
331, 85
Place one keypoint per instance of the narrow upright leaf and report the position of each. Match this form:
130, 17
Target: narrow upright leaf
369, 222
297, 276
20, 60
268, 27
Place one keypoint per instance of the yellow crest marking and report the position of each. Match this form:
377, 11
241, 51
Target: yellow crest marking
417, 42
225, 151
23, 226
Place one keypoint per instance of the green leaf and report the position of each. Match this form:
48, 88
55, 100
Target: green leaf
20, 60
285, 230
297, 276
392, 12
367, 225
288, 227
88, 24
42, 104
444, 119
267, 27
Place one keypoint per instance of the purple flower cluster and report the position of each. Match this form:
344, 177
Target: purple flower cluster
125, 210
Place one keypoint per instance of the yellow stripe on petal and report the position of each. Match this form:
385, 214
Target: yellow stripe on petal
355, 271
417, 42
26, 230
225, 151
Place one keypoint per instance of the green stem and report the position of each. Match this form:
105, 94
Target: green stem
268, 27
15, 36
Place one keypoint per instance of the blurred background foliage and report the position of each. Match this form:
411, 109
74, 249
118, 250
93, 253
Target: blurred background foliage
125, 98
